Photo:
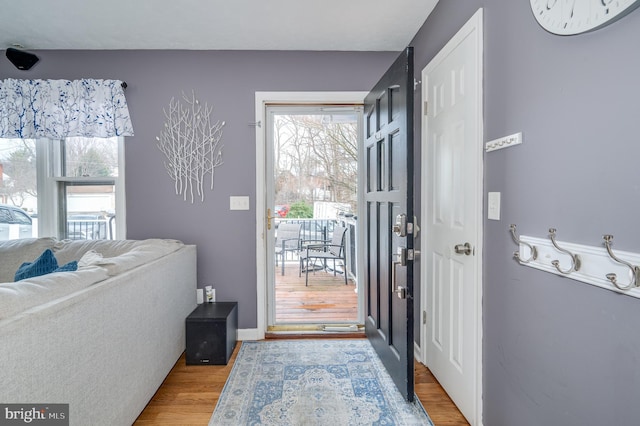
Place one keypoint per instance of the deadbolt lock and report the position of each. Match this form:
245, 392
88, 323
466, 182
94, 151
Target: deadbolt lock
400, 227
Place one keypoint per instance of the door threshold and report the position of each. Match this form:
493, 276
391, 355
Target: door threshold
302, 331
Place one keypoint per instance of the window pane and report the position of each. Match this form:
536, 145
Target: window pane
5, 216
91, 157
315, 163
21, 218
18, 185
14, 224
90, 211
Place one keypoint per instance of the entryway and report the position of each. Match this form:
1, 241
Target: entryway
307, 144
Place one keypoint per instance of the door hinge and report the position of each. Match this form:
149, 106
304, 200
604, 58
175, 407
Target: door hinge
424, 317
426, 108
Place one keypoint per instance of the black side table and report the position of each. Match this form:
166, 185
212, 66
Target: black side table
212, 330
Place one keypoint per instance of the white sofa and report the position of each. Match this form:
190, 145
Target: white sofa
101, 339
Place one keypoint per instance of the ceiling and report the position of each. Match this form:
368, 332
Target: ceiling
361, 25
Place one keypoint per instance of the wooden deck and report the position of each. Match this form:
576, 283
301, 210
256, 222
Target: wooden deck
326, 300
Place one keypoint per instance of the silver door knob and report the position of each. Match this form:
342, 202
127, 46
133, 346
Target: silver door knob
463, 249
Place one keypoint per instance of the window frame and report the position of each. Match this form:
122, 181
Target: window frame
51, 187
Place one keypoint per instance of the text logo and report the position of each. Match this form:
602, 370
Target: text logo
34, 414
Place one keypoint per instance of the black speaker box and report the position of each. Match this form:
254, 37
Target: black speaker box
211, 331
22, 60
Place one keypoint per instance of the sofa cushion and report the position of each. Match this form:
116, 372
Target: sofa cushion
144, 251
15, 252
117, 256
68, 250
36, 291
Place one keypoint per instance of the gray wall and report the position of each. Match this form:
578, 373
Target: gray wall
556, 351
228, 81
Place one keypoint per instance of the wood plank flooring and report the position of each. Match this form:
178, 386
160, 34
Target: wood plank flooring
189, 395
325, 300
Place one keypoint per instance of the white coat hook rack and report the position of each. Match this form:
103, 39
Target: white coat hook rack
595, 265
635, 270
575, 259
533, 251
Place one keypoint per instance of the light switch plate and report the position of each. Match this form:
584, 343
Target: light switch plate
493, 210
238, 203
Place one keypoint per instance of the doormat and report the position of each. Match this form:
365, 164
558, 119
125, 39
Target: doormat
312, 382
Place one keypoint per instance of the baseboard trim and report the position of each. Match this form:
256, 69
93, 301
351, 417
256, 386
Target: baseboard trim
417, 353
249, 334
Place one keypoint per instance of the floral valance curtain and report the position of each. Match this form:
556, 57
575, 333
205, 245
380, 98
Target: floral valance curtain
57, 109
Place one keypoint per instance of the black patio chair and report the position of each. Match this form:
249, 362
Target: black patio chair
287, 240
325, 250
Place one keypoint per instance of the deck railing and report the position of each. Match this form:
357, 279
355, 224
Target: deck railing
351, 244
321, 229
312, 229
90, 229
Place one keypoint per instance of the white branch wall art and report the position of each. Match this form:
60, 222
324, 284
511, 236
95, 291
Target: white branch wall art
191, 142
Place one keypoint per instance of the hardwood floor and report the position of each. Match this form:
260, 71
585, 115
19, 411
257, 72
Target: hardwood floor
441, 409
189, 395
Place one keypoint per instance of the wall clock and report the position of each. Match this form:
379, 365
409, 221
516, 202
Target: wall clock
568, 17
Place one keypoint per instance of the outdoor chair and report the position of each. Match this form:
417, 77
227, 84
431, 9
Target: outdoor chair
333, 249
287, 240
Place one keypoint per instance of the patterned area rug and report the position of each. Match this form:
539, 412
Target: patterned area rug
312, 382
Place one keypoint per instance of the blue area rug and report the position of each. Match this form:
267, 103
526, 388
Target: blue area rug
312, 382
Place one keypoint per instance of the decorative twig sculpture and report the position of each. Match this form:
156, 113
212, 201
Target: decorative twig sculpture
191, 143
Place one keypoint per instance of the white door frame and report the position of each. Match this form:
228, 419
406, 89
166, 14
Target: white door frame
474, 24
262, 100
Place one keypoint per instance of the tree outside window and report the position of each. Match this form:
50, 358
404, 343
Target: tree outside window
315, 160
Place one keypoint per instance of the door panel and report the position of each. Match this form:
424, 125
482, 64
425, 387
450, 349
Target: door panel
388, 195
453, 154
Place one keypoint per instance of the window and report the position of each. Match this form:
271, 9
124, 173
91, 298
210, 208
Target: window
21, 218
5, 216
71, 188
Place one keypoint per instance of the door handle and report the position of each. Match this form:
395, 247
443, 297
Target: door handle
463, 249
269, 217
399, 290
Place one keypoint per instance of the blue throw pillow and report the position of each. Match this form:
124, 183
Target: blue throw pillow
69, 267
45, 264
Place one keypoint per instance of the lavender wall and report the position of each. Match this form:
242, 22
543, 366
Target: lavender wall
556, 351
228, 80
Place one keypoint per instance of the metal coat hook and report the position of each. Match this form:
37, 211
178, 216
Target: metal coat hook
635, 270
575, 259
516, 254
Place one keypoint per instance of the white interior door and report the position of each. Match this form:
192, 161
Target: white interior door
452, 203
